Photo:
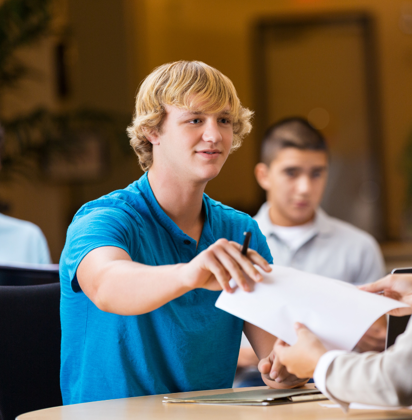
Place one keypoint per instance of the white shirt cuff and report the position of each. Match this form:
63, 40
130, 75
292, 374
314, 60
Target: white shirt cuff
321, 372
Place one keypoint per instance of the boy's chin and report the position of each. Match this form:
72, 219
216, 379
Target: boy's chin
302, 218
206, 176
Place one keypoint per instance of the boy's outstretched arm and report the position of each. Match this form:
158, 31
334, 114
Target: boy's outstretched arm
116, 284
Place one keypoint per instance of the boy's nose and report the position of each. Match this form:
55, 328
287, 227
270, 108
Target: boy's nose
304, 184
212, 133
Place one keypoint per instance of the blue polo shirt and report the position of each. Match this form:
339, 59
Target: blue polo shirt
187, 344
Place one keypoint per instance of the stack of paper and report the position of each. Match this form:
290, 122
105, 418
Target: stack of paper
257, 397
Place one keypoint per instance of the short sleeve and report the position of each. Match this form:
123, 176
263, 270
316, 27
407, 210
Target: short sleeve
98, 228
373, 266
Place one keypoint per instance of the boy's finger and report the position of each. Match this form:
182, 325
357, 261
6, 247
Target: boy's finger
244, 263
233, 268
264, 366
276, 368
252, 255
220, 274
259, 260
279, 349
283, 374
266, 363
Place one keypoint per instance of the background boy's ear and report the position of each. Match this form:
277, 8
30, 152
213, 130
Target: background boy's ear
262, 175
152, 135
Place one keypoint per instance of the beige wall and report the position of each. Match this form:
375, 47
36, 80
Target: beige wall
219, 33
115, 44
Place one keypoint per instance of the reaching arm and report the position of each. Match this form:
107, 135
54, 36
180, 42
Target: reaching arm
374, 378
369, 378
115, 283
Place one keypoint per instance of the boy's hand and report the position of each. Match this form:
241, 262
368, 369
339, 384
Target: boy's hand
214, 267
395, 286
301, 358
275, 373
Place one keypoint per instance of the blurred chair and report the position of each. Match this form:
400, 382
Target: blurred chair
29, 349
28, 274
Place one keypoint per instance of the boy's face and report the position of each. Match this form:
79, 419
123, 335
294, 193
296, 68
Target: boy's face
294, 182
192, 145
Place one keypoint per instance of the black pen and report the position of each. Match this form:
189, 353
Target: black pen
246, 242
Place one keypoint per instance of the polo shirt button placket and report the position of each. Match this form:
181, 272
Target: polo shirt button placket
190, 251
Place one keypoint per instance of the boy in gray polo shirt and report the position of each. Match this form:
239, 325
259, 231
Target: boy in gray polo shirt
293, 171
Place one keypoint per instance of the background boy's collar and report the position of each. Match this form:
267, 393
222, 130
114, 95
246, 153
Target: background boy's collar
321, 221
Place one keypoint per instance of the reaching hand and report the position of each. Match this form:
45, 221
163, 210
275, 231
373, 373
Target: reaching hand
301, 358
214, 267
395, 286
275, 374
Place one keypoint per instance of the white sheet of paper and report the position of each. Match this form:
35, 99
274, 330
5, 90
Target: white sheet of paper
337, 312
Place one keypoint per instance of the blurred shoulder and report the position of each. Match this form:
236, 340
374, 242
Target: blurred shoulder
18, 226
224, 214
343, 230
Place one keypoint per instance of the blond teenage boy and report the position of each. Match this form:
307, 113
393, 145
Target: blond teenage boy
142, 267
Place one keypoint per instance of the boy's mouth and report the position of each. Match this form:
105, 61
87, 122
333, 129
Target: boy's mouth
210, 152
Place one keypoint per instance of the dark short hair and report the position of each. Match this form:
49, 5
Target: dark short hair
294, 132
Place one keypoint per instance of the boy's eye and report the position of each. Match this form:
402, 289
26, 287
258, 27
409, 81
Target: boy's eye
317, 173
196, 121
225, 120
291, 172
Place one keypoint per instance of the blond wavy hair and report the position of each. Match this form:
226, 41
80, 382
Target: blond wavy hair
188, 85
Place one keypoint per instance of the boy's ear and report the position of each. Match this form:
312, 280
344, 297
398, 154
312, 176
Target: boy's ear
152, 136
261, 174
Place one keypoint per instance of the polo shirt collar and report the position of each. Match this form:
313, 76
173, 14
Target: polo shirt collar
322, 222
168, 224
263, 219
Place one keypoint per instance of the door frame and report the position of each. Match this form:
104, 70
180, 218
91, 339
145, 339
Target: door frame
372, 88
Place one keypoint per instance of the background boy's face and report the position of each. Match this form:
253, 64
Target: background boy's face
294, 182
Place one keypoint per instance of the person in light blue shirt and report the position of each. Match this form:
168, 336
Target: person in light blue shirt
142, 267
21, 242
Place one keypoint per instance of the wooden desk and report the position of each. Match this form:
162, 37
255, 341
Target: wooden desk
152, 408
